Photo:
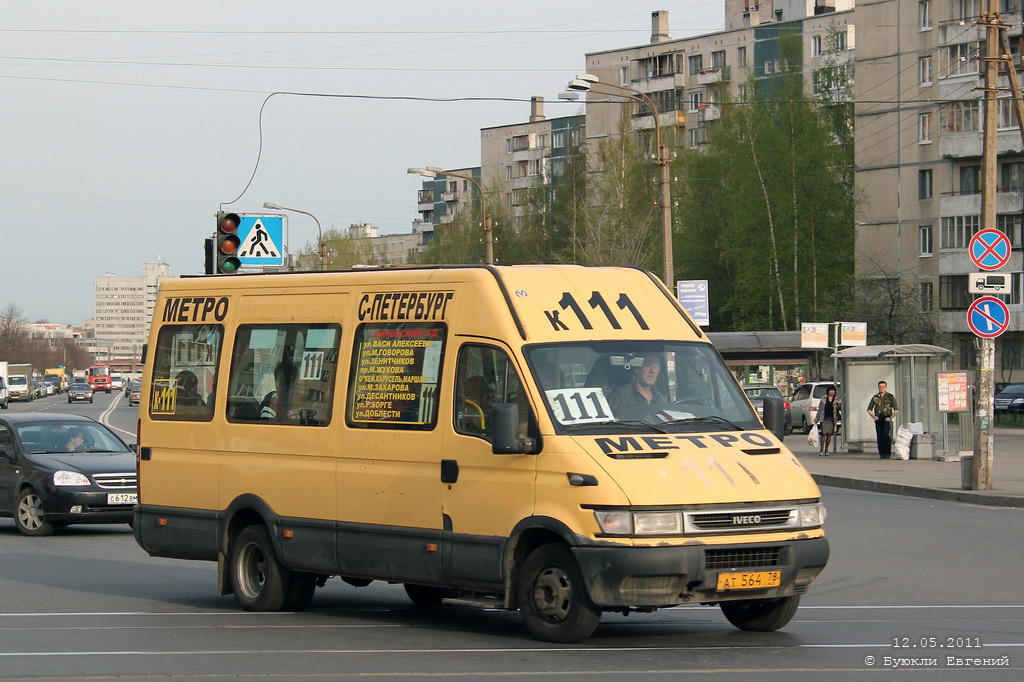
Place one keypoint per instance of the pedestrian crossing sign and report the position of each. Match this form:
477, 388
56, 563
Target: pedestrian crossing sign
262, 240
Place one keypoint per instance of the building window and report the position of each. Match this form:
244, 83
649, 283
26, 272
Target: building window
815, 46
924, 15
924, 184
718, 59
927, 297
924, 128
1007, 114
696, 99
542, 141
1011, 176
558, 138
624, 75
953, 294
518, 197
960, 117
778, 15
741, 92
1010, 225
840, 42
969, 10
958, 230
960, 59
746, 20
508, 172
924, 233
520, 143
741, 56
1009, 6
696, 63
697, 136
970, 177
924, 70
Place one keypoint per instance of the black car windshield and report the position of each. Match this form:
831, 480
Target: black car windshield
671, 386
758, 392
1013, 388
67, 437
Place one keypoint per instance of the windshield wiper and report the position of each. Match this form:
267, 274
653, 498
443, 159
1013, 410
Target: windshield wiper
712, 419
102, 451
635, 423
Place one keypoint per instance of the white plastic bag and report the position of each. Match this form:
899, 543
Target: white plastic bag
812, 436
901, 449
916, 428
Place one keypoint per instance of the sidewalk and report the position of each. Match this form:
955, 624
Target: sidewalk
919, 477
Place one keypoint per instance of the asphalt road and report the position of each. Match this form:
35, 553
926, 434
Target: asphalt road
88, 603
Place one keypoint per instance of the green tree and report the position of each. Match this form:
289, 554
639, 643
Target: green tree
767, 210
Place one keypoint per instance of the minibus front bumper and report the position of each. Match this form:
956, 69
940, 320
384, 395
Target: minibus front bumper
618, 577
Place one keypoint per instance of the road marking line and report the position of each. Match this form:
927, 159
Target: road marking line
490, 650
105, 417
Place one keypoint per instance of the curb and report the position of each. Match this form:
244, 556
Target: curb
967, 496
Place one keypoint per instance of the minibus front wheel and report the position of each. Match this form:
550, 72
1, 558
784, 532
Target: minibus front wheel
761, 615
553, 597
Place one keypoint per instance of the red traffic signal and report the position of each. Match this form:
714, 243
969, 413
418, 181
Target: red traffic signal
228, 243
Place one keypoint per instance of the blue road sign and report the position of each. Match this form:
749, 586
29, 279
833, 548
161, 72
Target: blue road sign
262, 240
693, 296
990, 249
988, 317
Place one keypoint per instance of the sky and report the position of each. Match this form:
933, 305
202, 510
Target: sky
126, 125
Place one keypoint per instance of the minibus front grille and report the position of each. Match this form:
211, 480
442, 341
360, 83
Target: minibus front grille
741, 558
125, 481
741, 519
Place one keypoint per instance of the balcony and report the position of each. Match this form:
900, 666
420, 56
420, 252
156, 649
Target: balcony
445, 219
969, 145
710, 112
449, 196
712, 76
957, 203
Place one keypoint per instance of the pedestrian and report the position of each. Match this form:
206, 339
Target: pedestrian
827, 416
883, 409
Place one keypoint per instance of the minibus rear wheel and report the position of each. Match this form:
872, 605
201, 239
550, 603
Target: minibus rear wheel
761, 615
553, 598
301, 587
259, 580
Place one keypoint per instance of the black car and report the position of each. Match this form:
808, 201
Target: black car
1010, 399
79, 392
59, 469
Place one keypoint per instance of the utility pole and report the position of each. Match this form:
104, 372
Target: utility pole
983, 436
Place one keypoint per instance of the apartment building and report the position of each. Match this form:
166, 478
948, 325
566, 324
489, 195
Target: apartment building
440, 199
518, 156
688, 79
123, 310
918, 146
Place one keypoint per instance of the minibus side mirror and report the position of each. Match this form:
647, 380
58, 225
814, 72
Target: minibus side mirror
505, 430
775, 416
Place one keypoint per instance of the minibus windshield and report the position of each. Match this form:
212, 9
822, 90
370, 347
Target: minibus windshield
641, 386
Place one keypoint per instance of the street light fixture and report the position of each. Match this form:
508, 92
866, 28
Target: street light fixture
433, 172
584, 82
319, 231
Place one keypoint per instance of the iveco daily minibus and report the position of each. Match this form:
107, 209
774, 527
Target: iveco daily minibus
560, 440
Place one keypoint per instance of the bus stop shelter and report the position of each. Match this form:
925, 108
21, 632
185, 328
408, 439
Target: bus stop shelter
909, 370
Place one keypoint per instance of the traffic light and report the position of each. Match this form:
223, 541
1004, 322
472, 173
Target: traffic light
227, 243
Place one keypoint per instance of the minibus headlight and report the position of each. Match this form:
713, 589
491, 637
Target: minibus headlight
70, 478
657, 523
615, 522
812, 515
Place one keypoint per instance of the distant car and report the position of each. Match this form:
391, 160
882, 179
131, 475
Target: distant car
804, 403
59, 469
134, 392
39, 388
116, 382
1010, 399
53, 381
79, 392
757, 393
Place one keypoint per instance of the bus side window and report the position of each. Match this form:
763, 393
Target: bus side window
184, 381
486, 376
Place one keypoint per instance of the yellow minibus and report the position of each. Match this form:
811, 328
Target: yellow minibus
560, 440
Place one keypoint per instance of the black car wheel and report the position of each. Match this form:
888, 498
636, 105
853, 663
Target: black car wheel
90, 400
29, 518
553, 598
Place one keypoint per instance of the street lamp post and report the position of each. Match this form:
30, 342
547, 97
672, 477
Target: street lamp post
433, 172
584, 82
319, 231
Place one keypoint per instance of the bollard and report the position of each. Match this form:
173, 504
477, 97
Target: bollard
967, 472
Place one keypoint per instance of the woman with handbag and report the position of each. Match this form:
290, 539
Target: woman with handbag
827, 415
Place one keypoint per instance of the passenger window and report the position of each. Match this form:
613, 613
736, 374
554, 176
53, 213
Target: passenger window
396, 375
5, 436
184, 381
486, 376
283, 374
